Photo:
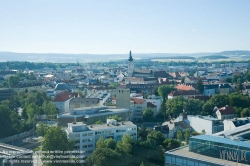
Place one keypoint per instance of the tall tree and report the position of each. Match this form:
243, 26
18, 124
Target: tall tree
245, 112
175, 106
179, 135
55, 140
187, 135
164, 90
199, 86
13, 80
105, 157
148, 115
193, 106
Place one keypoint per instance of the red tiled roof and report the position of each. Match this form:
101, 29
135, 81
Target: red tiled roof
137, 101
227, 110
63, 96
183, 87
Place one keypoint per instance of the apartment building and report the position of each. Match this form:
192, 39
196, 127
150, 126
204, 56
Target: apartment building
86, 136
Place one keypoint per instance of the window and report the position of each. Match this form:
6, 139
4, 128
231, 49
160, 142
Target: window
84, 134
90, 134
84, 146
84, 140
90, 145
90, 140
90, 151
77, 147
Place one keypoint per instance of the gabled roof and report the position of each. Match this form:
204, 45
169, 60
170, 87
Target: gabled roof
175, 74
162, 74
137, 101
227, 110
151, 105
183, 125
183, 87
143, 72
63, 96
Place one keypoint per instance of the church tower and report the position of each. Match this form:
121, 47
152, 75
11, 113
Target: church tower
130, 65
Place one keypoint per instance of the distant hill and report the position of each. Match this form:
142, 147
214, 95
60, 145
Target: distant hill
237, 52
73, 58
214, 57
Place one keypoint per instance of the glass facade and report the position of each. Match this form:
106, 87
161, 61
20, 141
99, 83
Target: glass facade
222, 148
173, 160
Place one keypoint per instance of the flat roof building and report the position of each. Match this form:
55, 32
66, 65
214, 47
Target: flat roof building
86, 136
208, 150
90, 115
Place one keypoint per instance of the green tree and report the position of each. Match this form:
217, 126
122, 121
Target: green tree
148, 115
155, 91
248, 76
81, 94
98, 122
157, 136
203, 131
42, 129
199, 85
143, 132
115, 117
245, 112
193, 106
49, 108
164, 90
187, 135
110, 143
229, 80
207, 108
55, 139
179, 135
239, 85
170, 144
105, 157
13, 80
100, 143
175, 106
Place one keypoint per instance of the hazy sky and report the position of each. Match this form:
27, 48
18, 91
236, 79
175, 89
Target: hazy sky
116, 26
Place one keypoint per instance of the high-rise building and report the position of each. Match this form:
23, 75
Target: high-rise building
123, 98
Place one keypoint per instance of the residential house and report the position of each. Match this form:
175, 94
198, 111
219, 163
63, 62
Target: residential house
211, 89
184, 87
138, 106
172, 127
226, 112
62, 101
184, 93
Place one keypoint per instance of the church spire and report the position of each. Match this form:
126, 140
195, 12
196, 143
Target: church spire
130, 56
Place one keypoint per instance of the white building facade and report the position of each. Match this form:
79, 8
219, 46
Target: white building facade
86, 136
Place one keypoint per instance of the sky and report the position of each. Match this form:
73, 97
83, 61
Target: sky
117, 26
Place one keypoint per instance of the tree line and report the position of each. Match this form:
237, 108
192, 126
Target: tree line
19, 113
